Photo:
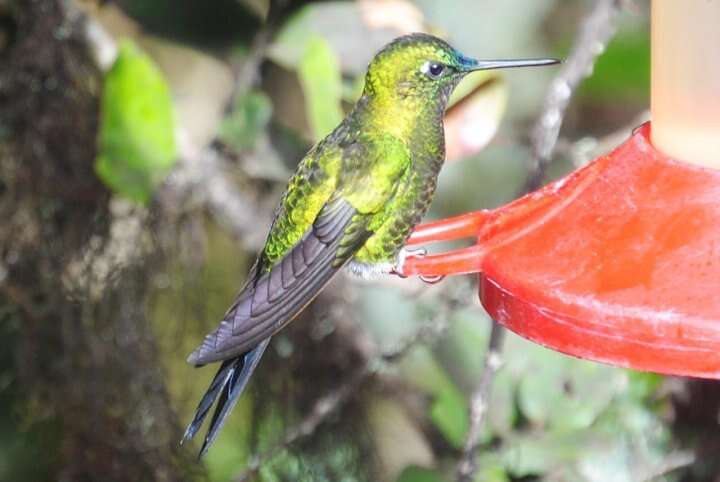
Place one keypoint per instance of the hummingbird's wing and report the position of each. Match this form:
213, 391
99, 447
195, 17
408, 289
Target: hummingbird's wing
330, 209
269, 301
325, 216
276, 296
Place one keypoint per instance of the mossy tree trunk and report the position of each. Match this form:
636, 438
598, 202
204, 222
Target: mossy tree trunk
83, 351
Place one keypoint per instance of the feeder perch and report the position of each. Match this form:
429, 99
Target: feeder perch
618, 261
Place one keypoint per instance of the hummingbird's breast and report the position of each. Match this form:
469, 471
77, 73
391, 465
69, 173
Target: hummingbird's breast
428, 156
414, 193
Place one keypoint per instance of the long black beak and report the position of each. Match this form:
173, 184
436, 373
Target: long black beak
472, 65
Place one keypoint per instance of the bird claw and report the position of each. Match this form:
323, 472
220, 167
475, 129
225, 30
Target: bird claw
403, 255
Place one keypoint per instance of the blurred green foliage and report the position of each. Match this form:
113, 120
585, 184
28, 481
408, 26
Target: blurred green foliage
448, 409
319, 74
622, 73
137, 131
418, 474
556, 417
248, 119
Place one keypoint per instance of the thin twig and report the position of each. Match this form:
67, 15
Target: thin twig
480, 403
200, 176
595, 32
247, 72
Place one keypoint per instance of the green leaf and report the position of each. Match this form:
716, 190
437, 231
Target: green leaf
249, 117
490, 469
565, 393
643, 384
137, 132
538, 453
448, 410
418, 474
449, 413
622, 72
320, 78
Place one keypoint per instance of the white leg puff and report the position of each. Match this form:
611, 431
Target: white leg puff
369, 271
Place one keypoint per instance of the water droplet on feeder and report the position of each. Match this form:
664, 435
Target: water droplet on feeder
431, 280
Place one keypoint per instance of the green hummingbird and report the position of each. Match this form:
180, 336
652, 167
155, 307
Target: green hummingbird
353, 201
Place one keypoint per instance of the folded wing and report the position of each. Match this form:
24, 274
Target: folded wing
275, 296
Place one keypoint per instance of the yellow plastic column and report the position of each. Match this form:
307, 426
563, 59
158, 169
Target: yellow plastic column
686, 80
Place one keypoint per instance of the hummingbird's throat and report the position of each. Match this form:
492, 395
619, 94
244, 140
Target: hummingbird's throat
401, 115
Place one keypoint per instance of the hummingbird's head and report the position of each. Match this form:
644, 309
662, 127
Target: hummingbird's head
421, 66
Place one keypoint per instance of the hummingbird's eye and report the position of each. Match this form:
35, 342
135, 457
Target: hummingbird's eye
432, 69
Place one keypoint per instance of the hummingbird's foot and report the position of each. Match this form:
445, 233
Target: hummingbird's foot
403, 255
369, 271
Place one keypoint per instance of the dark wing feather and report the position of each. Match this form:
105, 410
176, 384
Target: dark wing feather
275, 297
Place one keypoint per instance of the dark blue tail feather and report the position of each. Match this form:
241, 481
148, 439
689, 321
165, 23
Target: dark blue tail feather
228, 384
207, 401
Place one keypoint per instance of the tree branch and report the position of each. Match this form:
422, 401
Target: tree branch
200, 179
479, 403
596, 30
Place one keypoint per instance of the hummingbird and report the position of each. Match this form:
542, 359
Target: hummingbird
352, 202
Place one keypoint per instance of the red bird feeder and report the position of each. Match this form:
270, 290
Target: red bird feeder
617, 262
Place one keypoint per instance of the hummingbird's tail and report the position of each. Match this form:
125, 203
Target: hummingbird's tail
229, 383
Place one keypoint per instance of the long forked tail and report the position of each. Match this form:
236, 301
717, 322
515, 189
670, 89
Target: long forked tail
228, 384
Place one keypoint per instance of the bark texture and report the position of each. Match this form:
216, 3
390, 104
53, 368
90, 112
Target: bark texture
85, 355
